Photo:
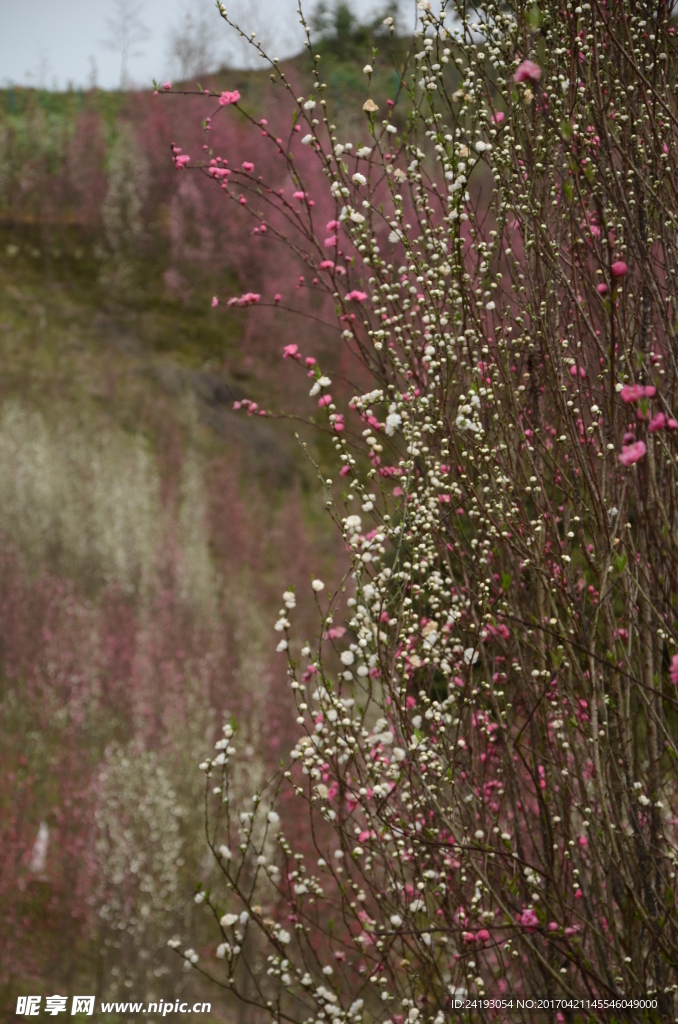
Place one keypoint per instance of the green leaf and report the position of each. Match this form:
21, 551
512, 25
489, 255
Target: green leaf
620, 562
534, 18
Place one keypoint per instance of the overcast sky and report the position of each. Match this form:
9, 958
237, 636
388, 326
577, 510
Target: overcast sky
49, 43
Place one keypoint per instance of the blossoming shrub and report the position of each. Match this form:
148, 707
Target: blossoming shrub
487, 721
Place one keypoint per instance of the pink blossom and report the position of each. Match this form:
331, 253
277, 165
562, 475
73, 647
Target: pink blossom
356, 296
529, 919
483, 935
332, 225
339, 423
180, 160
635, 392
335, 632
277, 297
632, 393
619, 269
229, 97
248, 299
215, 301
291, 351
553, 927
632, 453
602, 288
657, 422
528, 71
167, 86
247, 166
327, 265
325, 400
673, 671
298, 195
332, 240
498, 117
219, 172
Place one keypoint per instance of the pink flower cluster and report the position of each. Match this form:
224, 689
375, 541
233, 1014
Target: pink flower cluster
636, 392
480, 936
529, 919
631, 453
633, 393
180, 159
528, 71
662, 422
229, 97
252, 407
248, 299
